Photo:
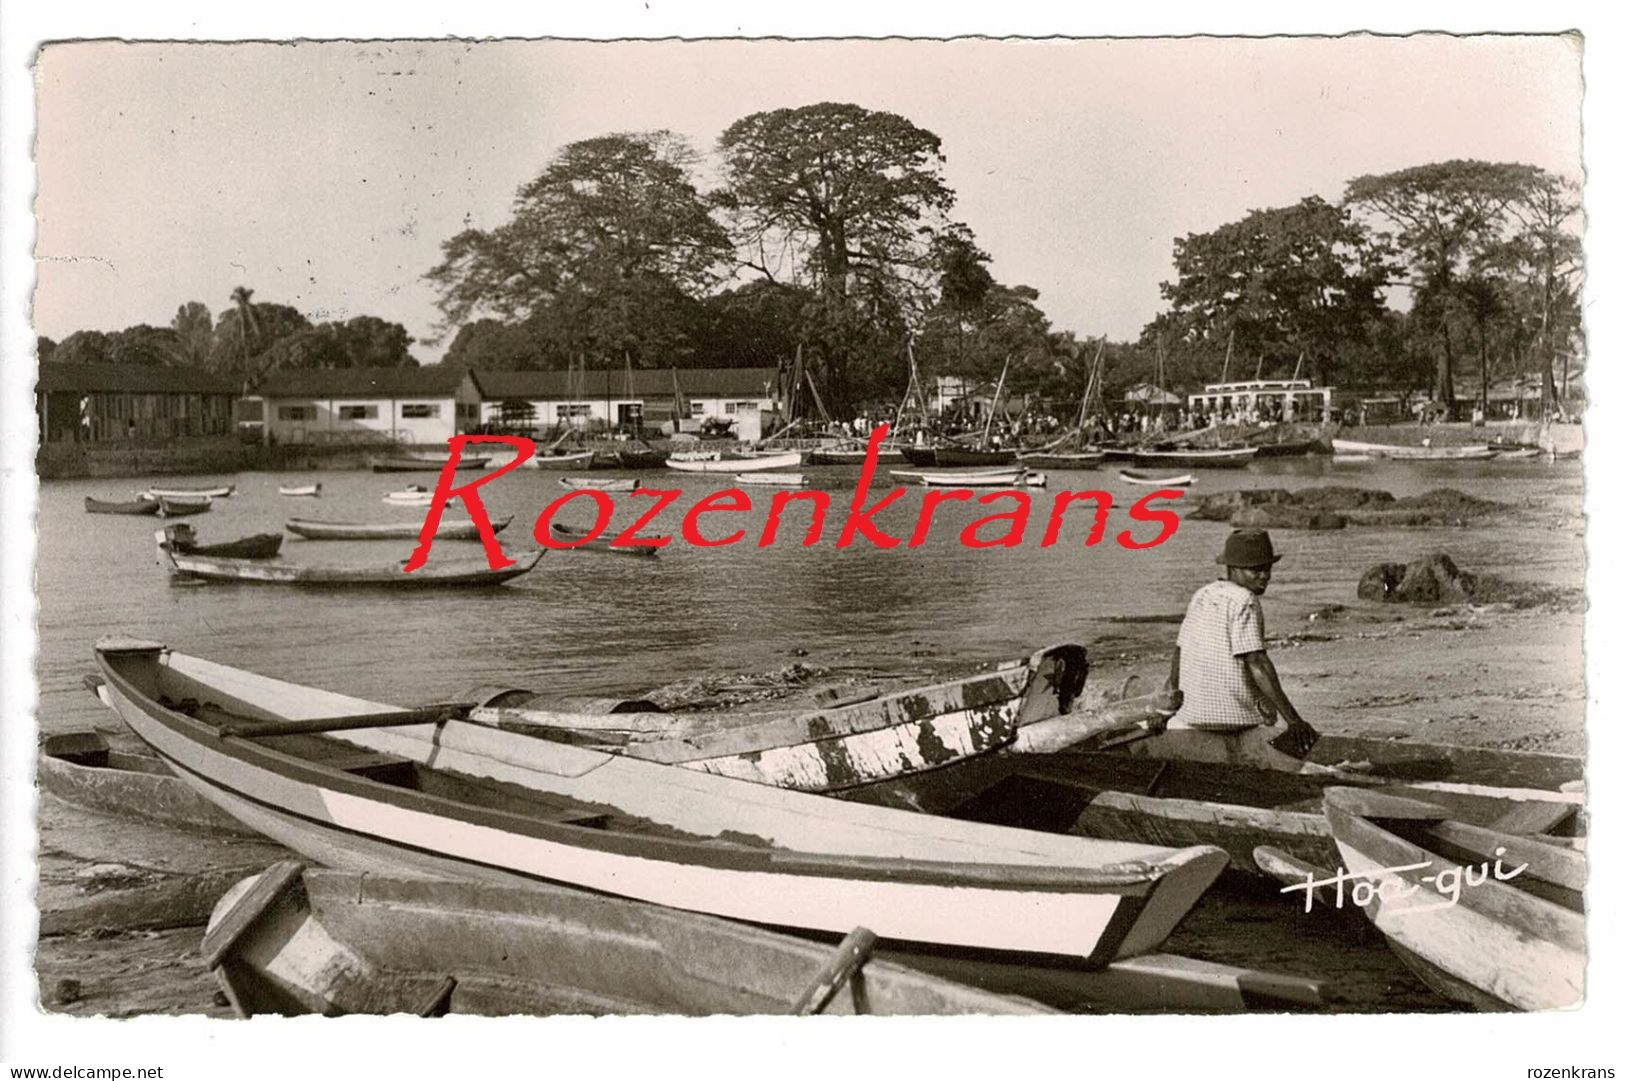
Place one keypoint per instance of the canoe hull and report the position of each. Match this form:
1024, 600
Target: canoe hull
752, 464
424, 465
1353, 447
449, 529
136, 506
1188, 459
1047, 460
467, 574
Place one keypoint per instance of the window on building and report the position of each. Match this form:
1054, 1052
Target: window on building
358, 412
296, 412
696, 409
567, 410
740, 407
419, 410
628, 412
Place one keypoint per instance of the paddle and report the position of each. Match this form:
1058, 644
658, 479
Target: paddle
422, 715
847, 961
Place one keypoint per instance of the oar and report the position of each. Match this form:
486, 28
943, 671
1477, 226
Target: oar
449, 711
848, 959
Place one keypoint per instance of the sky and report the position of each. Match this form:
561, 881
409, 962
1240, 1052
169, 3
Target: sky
327, 175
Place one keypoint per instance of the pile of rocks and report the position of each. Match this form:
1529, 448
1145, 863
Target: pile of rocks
1336, 506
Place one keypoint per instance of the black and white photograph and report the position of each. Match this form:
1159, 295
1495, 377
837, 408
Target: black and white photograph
745, 525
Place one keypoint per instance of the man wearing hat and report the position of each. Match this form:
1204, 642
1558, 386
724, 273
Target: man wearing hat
1227, 680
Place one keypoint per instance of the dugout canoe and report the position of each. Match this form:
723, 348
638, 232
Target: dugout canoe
942, 456
449, 529
313, 490
171, 507
579, 459
636, 458
107, 506
1352, 447
298, 940
576, 540
1440, 893
1146, 480
605, 484
190, 494
183, 538
83, 769
1265, 799
464, 573
365, 786
1223, 458
424, 464
1046, 459
749, 463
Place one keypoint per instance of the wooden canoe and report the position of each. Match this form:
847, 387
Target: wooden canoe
853, 455
1180, 480
296, 940
1012, 478
1476, 453
83, 769
581, 459
183, 538
646, 458
424, 464
414, 496
1440, 892
449, 529
1048, 459
465, 573
1224, 458
574, 538
190, 494
739, 463
365, 786
134, 506
169, 507
949, 455
771, 480
604, 484
1258, 800
300, 490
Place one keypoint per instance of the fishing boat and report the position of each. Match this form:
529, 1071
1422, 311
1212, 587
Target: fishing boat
190, 494
1178, 480
83, 769
296, 940
1221, 458
134, 506
466, 573
1287, 448
1050, 459
605, 484
1484, 917
559, 459
183, 538
367, 786
640, 458
771, 480
1015, 478
313, 490
1477, 453
853, 454
576, 540
448, 529
171, 507
1238, 807
722, 463
424, 463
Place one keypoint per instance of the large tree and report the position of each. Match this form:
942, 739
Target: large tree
194, 327
846, 201
610, 244
1439, 216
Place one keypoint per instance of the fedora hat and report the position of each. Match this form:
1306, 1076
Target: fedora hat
1248, 548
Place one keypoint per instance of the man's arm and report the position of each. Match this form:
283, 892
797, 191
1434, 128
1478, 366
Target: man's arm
1173, 672
1262, 670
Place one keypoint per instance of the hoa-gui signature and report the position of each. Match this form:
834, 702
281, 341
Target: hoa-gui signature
1394, 890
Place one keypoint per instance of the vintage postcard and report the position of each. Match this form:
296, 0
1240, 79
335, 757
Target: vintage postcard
546, 528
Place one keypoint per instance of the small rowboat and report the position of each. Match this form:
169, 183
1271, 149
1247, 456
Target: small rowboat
136, 506
560, 460
301, 490
607, 484
1476, 453
294, 940
1182, 480
190, 494
83, 769
449, 529
183, 538
1484, 917
369, 786
170, 507
424, 463
771, 480
1223, 458
752, 463
467, 573
574, 538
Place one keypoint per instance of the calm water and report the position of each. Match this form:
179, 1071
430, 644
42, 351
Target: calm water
583, 623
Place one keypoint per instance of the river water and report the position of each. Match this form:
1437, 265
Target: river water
590, 624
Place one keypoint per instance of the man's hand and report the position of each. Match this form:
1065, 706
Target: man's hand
1297, 741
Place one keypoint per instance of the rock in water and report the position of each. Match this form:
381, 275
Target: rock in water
1381, 582
1220, 506
1274, 516
1341, 497
1434, 578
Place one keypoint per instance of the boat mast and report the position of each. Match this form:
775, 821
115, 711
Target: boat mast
997, 391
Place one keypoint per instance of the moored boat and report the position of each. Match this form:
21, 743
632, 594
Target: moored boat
190, 494
183, 538
465, 573
312, 490
413, 495
576, 540
304, 940
413, 463
604, 484
1177, 480
448, 529
1017, 478
771, 480
370, 787
83, 769
134, 506
853, 455
1352, 447
172, 507
1221, 458
1048, 459
556, 459
1511, 938
640, 458
723, 463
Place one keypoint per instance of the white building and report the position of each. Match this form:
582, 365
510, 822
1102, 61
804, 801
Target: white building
1294, 399
648, 400
425, 405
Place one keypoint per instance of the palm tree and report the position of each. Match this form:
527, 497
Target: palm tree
243, 298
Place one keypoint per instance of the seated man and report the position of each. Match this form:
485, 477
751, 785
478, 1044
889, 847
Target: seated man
1220, 667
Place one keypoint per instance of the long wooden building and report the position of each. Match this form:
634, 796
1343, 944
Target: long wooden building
105, 403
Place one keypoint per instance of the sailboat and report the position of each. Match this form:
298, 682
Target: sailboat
1068, 452
960, 454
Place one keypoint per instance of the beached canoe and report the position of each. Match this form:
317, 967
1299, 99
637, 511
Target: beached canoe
314, 490
1178, 480
604, 484
576, 540
296, 940
449, 529
172, 507
1475, 453
83, 769
366, 786
1223, 458
134, 506
190, 494
1484, 917
424, 463
739, 463
183, 538
464, 573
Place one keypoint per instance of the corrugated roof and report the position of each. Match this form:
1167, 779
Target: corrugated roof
429, 381
646, 383
131, 379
